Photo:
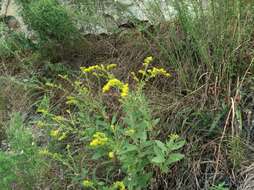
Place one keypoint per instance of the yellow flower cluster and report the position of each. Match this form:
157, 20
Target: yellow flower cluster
99, 139
125, 90
158, 71
111, 66
43, 111
111, 155
77, 83
130, 132
118, 84
90, 69
51, 85
151, 73
111, 83
58, 118
44, 152
119, 185
40, 124
97, 68
147, 61
56, 134
174, 136
87, 183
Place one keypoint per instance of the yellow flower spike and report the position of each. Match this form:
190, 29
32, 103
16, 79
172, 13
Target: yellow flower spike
174, 136
44, 152
111, 66
90, 69
125, 90
158, 71
58, 118
118, 84
102, 67
43, 111
51, 85
99, 135
111, 155
94, 142
147, 61
99, 139
112, 83
134, 76
62, 137
40, 124
55, 155
119, 185
83, 90
142, 72
77, 83
106, 88
87, 183
54, 133
130, 132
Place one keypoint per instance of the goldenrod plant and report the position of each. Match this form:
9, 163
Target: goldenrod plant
126, 145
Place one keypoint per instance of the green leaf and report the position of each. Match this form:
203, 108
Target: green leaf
114, 118
239, 118
97, 155
128, 148
172, 145
158, 159
156, 121
161, 145
175, 157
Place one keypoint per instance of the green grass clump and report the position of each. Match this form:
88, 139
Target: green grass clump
12, 44
20, 163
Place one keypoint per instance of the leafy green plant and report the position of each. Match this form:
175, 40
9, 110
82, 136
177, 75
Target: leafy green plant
49, 19
138, 150
12, 43
20, 165
124, 143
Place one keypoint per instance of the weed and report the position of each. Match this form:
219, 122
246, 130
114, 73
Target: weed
130, 142
236, 151
21, 164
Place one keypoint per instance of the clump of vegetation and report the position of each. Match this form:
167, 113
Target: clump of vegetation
12, 44
21, 163
127, 145
49, 19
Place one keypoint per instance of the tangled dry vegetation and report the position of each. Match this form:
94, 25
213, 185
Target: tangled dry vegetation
164, 105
